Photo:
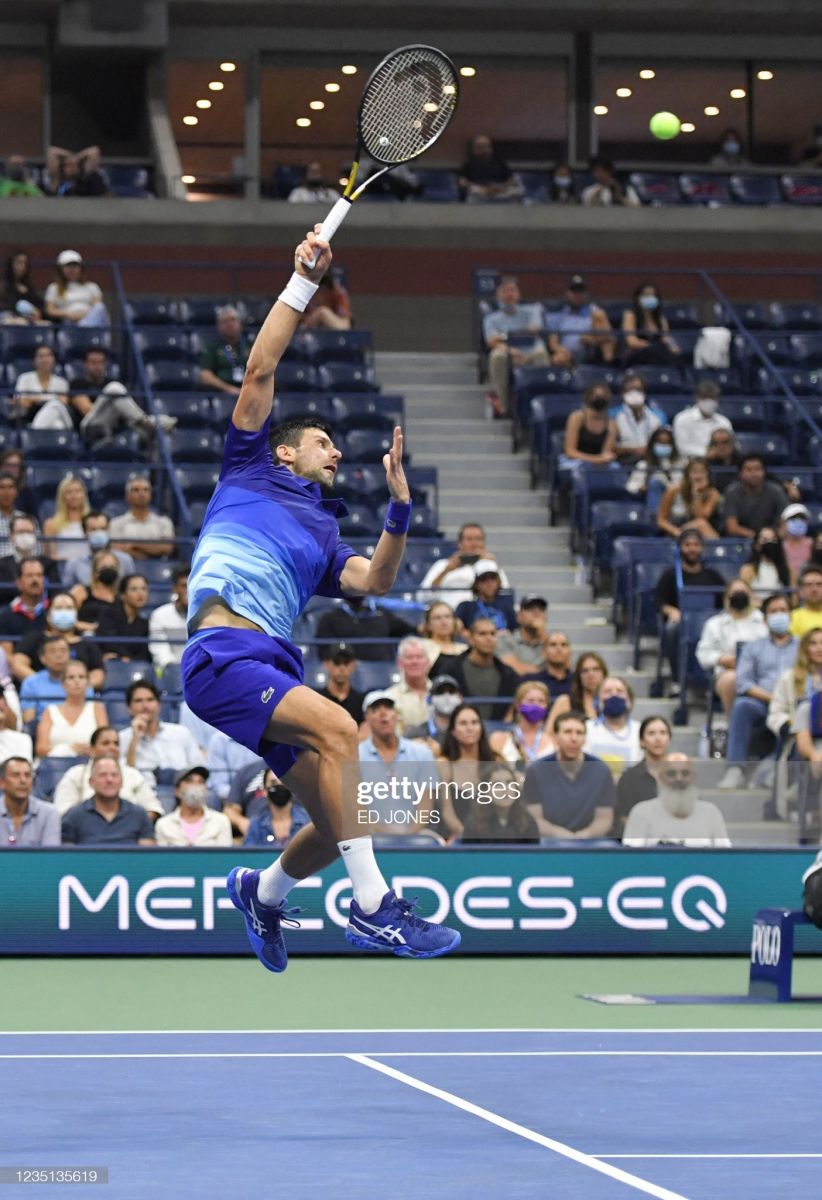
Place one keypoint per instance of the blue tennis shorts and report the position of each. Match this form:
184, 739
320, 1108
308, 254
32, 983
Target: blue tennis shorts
234, 679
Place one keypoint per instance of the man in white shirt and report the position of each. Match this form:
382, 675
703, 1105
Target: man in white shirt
411, 693
132, 530
454, 576
511, 316
150, 744
694, 425
677, 816
313, 189
75, 786
12, 743
193, 823
606, 189
167, 624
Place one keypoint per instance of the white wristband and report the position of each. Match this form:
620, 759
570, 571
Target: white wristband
298, 291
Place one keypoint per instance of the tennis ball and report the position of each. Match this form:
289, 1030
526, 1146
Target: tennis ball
664, 125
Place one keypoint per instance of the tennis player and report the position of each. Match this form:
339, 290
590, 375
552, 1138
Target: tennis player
269, 542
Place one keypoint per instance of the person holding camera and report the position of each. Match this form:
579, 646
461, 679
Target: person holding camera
453, 578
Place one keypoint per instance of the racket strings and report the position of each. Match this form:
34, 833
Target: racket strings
407, 105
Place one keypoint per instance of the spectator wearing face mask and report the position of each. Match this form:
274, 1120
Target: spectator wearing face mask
77, 571
694, 425
193, 823
275, 825
443, 697
793, 530
101, 594
646, 333
677, 817
636, 420
526, 738
766, 571
562, 189
590, 433
730, 156
659, 469
61, 622
613, 736
24, 544
722, 634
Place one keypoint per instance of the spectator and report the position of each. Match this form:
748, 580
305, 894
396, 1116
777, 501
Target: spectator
27, 611
150, 744
167, 624
466, 751
193, 823
526, 737
816, 552
72, 298
796, 684
11, 716
69, 174
313, 189
722, 636
13, 463
440, 628
730, 156
807, 725
277, 823
61, 621
613, 736
65, 529
811, 157
106, 819
580, 331
640, 781
329, 307
101, 595
557, 674
8, 510
485, 177
20, 303
766, 570
753, 501
694, 575
223, 361
511, 316
590, 433
759, 665
105, 406
809, 613
444, 696
125, 620
361, 617
570, 794
75, 785
659, 469
606, 190
25, 544
384, 748
226, 758
456, 574
410, 693
399, 183
480, 672
793, 530
589, 674
676, 816
486, 601
636, 419
141, 532
42, 389
525, 649
13, 743
692, 504
339, 664
562, 189
724, 454
504, 818
16, 181
64, 730
77, 571
246, 797
45, 686
646, 333
25, 821
694, 426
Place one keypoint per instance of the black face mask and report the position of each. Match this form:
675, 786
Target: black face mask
598, 403
108, 576
278, 795
770, 550
738, 601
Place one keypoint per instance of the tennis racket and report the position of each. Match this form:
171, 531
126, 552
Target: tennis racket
406, 105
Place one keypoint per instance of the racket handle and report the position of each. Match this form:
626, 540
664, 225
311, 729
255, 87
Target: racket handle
331, 224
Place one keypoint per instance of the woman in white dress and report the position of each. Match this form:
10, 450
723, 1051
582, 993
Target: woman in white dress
722, 635
41, 388
65, 528
65, 730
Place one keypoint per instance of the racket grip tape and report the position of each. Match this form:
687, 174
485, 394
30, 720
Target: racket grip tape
331, 224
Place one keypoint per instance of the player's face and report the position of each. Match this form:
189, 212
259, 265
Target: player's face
316, 458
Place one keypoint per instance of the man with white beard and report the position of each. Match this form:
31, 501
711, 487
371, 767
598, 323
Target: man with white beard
677, 816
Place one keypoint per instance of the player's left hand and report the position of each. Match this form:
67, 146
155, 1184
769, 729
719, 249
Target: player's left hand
306, 251
394, 474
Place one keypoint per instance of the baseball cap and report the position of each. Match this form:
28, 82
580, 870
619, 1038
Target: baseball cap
577, 284
184, 774
444, 683
66, 257
378, 697
485, 566
339, 654
533, 602
794, 510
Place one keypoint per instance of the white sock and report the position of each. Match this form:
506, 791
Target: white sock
366, 877
274, 884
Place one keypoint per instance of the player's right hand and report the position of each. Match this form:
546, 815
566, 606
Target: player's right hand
306, 251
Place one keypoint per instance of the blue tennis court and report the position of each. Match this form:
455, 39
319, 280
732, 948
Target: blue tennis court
479, 1114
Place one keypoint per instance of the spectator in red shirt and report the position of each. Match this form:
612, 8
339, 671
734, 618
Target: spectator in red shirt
330, 308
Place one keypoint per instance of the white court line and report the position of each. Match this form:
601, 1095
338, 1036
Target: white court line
353, 1030
431, 1054
577, 1156
698, 1156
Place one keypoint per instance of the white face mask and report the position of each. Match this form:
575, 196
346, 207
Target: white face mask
707, 407
194, 796
445, 703
634, 398
24, 543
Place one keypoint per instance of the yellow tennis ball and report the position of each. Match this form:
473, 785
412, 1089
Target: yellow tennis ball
664, 125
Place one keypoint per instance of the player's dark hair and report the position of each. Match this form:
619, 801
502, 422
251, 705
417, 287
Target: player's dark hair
141, 683
290, 432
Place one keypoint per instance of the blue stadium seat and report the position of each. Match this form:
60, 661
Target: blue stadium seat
191, 446
104, 483
801, 383
773, 447
439, 186
152, 311
658, 189
168, 343
172, 376
59, 444
196, 514
297, 377
643, 616
20, 341
547, 415
728, 380
611, 519
202, 310
586, 376
589, 485
807, 349
361, 521
627, 553
50, 772
172, 680
298, 349
198, 482
369, 676
357, 481
613, 310
158, 570
123, 447
74, 341
302, 404
285, 178
336, 346
682, 316
118, 714
752, 315
347, 377
777, 346
536, 186
746, 414
796, 318
366, 445
802, 189
127, 182
756, 189
366, 412
699, 188
190, 412
663, 381
423, 521
120, 675
222, 406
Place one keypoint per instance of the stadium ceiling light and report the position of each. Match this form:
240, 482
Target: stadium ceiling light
647, 73
228, 66
349, 69
303, 122
430, 106
204, 104
332, 87
738, 93
624, 93
711, 111
687, 127
216, 85
448, 89
188, 178
317, 105
468, 72
764, 75
601, 110
191, 120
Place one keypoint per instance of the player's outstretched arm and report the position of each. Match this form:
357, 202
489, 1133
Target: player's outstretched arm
375, 576
253, 405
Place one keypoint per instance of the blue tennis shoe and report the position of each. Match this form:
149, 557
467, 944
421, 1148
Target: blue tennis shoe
395, 928
262, 921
